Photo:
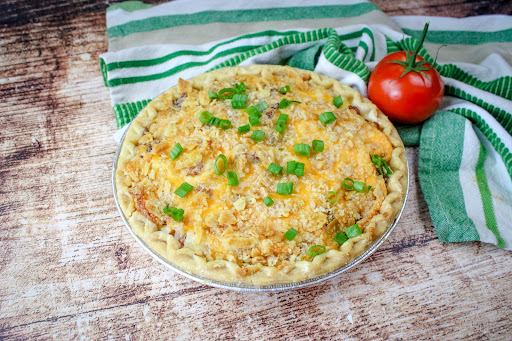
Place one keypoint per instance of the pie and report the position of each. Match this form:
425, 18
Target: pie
260, 175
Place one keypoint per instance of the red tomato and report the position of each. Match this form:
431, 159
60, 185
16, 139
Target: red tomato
409, 99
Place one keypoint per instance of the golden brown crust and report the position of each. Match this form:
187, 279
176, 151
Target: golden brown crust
185, 254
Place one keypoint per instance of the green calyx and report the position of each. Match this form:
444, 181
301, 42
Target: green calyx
410, 64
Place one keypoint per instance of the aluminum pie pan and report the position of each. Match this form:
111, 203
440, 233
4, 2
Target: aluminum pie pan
241, 287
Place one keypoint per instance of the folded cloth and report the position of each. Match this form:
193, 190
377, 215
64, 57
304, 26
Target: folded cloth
465, 159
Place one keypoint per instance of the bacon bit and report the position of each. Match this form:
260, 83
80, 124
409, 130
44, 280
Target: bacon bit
252, 157
140, 205
196, 170
353, 107
178, 101
306, 76
272, 110
202, 188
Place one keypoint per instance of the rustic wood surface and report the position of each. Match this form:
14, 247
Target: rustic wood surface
69, 268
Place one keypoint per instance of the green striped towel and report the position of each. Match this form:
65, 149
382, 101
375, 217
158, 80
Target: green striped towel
465, 165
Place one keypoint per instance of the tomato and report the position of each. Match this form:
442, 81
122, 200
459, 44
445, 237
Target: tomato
409, 98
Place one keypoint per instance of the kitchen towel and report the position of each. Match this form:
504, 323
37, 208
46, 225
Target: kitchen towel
465, 159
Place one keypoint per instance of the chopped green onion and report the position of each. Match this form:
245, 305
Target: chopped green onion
178, 211
178, 217
290, 167
332, 197
258, 135
340, 238
205, 117
285, 188
239, 88
327, 117
252, 111
318, 145
254, 120
337, 101
380, 162
353, 231
261, 106
225, 124
168, 210
284, 89
316, 250
285, 103
176, 151
216, 168
359, 186
268, 201
274, 168
213, 95
302, 149
226, 93
291, 233
299, 169
239, 101
232, 179
184, 189
244, 129
368, 189
282, 118
348, 183
214, 121
280, 127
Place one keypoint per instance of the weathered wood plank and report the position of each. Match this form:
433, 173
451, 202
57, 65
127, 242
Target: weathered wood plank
70, 269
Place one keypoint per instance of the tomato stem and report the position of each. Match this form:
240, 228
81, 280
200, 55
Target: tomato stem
412, 61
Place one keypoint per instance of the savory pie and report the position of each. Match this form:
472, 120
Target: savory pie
260, 174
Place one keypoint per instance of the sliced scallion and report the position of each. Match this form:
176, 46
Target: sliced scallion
302, 149
299, 169
176, 151
258, 135
332, 197
183, 189
268, 201
168, 210
224, 166
244, 129
380, 163
225, 124
232, 179
353, 231
239, 101
316, 250
285, 188
240, 87
291, 233
327, 117
340, 238
254, 120
205, 117
213, 95
348, 183
274, 168
318, 145
284, 89
359, 186
290, 167
285, 103
337, 101
226, 93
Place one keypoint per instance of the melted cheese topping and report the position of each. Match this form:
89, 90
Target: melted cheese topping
232, 223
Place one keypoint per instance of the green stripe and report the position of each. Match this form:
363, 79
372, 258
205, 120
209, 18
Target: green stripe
440, 157
129, 6
179, 68
491, 136
150, 62
127, 111
238, 16
485, 193
463, 37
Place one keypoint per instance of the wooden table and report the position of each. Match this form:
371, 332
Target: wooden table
70, 269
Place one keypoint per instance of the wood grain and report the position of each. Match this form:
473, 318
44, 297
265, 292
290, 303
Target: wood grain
70, 269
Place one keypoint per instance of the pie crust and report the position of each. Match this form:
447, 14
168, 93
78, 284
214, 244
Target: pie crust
228, 234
